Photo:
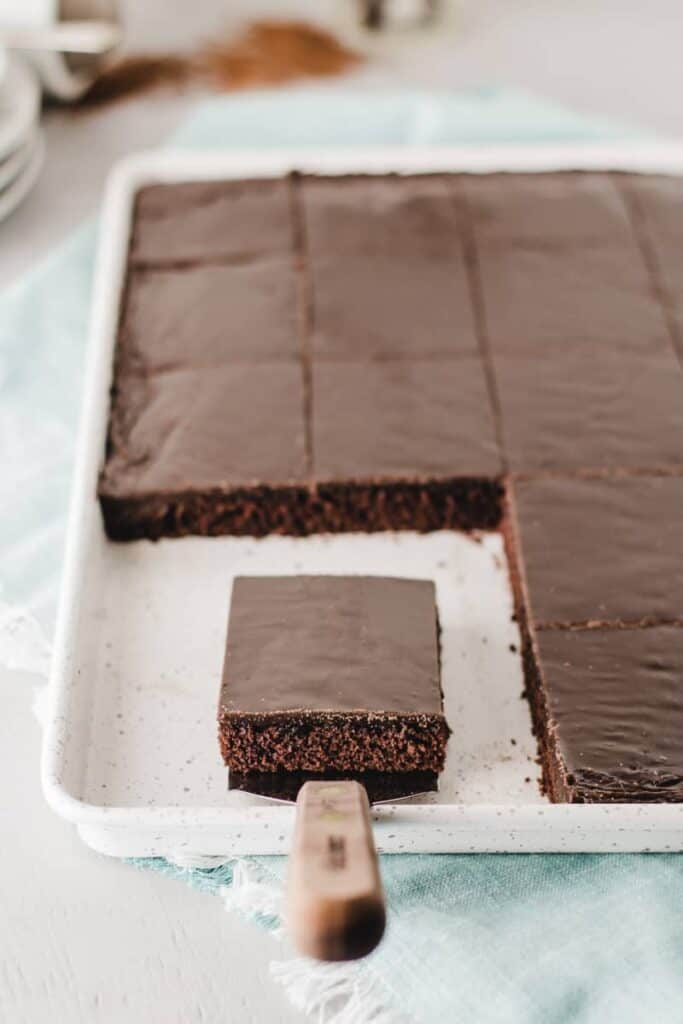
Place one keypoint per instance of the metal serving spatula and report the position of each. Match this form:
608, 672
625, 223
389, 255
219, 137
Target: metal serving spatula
334, 901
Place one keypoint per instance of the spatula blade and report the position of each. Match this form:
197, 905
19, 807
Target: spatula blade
381, 787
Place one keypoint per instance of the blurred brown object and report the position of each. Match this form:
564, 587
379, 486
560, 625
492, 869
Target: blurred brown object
379, 14
267, 53
137, 74
272, 52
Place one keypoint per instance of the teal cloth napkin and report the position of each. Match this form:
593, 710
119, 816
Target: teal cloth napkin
473, 939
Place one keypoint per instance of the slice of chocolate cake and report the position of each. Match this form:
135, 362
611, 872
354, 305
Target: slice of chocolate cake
197, 451
382, 416
608, 710
207, 317
386, 268
560, 208
601, 551
544, 298
586, 408
209, 221
394, 448
332, 673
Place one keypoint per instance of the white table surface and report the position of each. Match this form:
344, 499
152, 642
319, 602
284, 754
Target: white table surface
86, 939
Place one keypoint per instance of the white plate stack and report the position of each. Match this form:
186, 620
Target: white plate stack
21, 139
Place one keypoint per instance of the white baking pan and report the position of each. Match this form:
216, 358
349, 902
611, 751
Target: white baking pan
130, 753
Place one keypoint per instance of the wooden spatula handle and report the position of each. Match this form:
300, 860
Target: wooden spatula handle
335, 903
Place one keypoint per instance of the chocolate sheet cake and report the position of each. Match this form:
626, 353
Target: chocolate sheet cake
172, 428
425, 352
317, 289
332, 673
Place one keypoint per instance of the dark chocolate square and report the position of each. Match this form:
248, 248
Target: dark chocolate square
214, 220
387, 268
550, 298
602, 550
209, 316
402, 419
547, 209
332, 673
612, 723
588, 408
206, 430
660, 200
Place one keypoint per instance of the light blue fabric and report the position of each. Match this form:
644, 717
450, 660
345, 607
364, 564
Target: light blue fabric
520, 939
328, 117
472, 939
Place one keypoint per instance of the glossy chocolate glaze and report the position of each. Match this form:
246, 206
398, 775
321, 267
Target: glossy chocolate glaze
595, 296
332, 673
547, 209
209, 316
326, 643
387, 268
602, 550
403, 420
615, 712
658, 207
587, 408
234, 221
660, 198
170, 431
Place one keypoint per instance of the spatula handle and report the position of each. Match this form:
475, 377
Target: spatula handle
335, 902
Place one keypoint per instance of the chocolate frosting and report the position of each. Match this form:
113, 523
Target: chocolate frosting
209, 316
364, 282
569, 295
171, 431
660, 201
403, 419
591, 408
616, 704
387, 268
215, 220
325, 643
602, 550
547, 209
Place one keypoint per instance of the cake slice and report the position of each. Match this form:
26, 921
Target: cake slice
329, 673
600, 552
608, 711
